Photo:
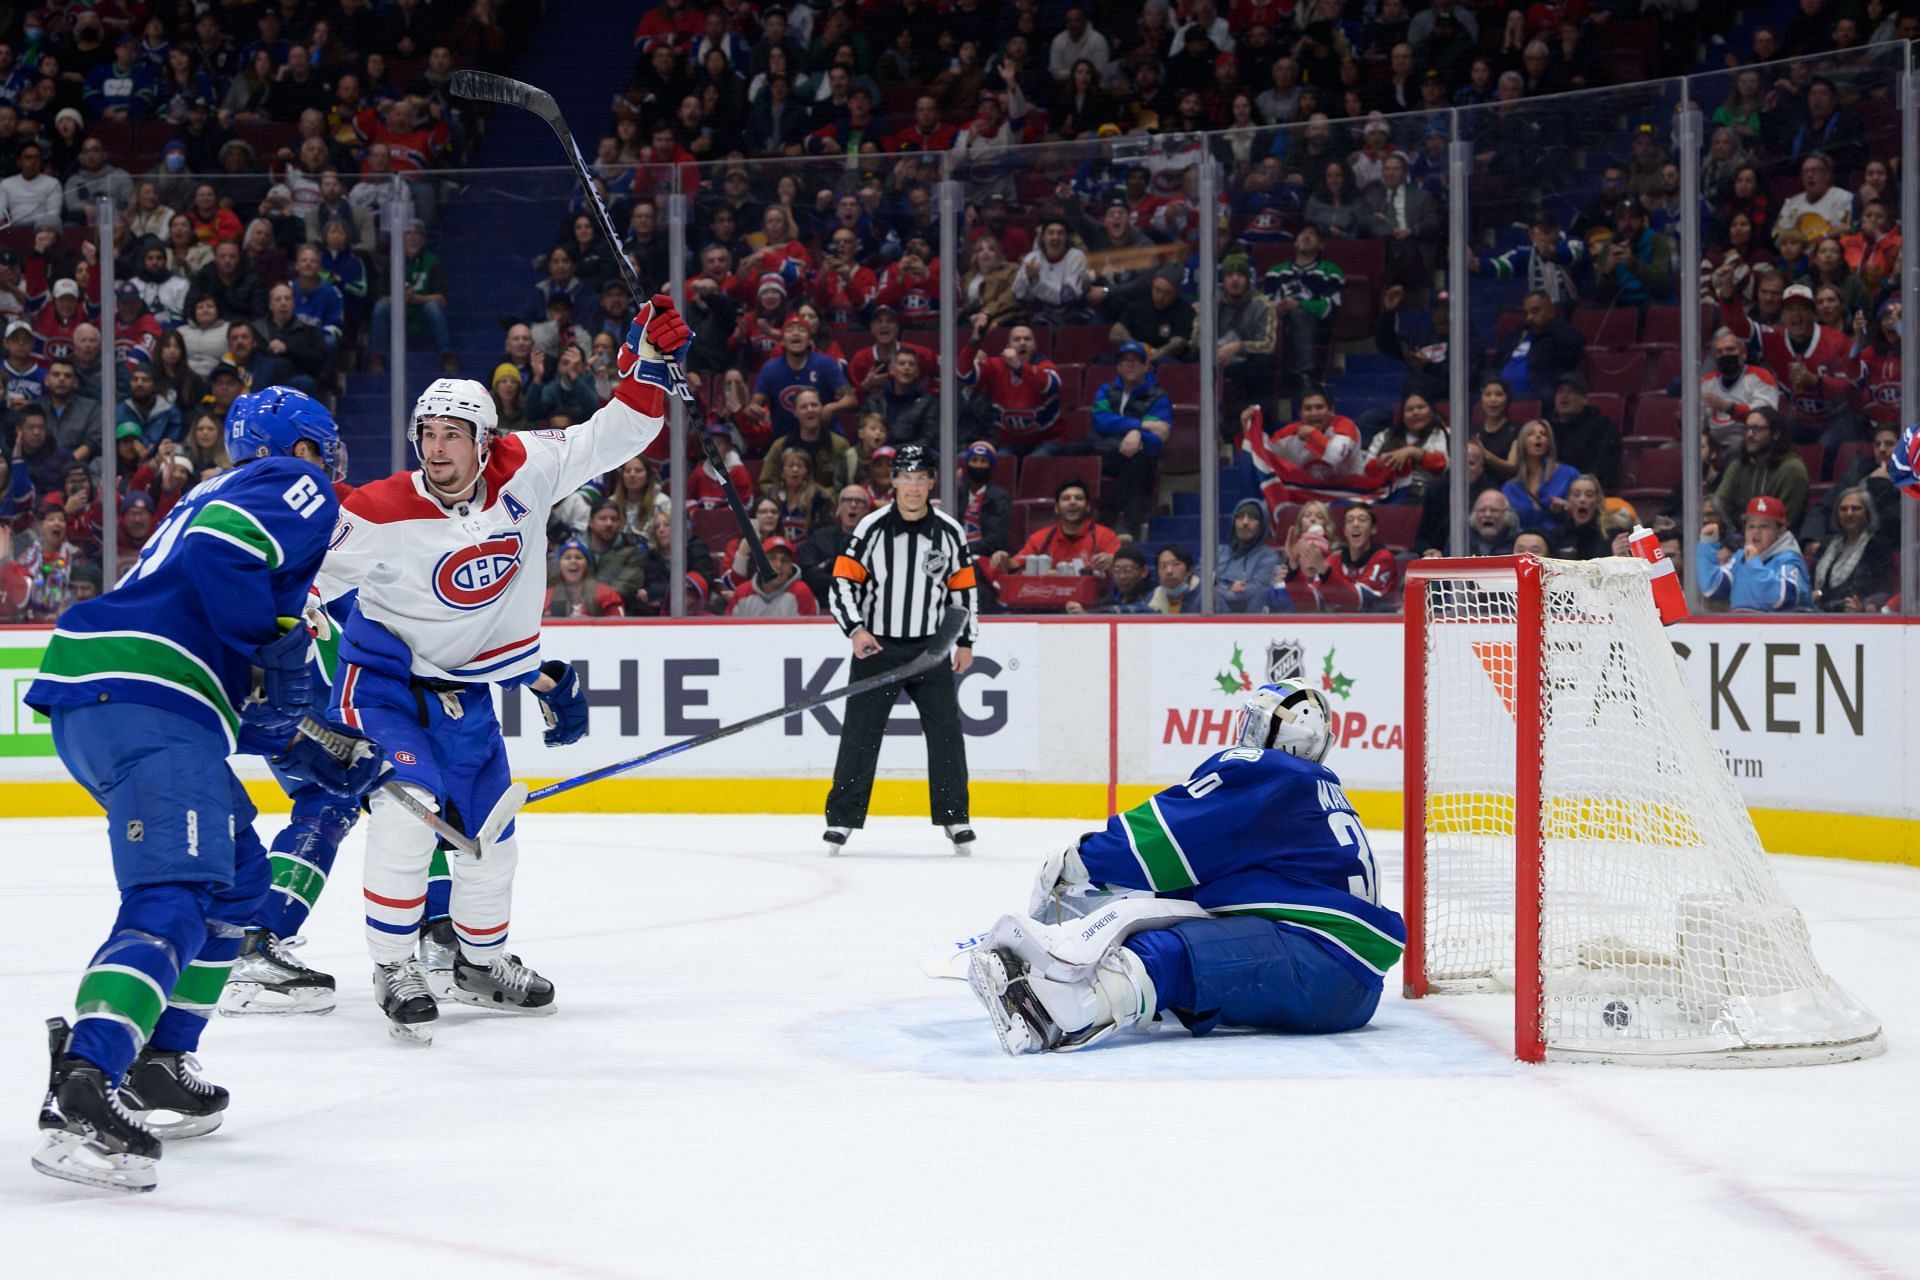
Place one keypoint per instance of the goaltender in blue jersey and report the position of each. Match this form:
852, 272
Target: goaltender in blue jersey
1246, 896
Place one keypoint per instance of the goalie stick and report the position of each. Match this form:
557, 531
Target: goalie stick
484, 86
952, 623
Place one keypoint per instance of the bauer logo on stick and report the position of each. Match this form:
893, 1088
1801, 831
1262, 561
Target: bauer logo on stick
474, 577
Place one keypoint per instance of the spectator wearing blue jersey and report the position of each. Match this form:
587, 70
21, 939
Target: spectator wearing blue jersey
799, 366
317, 301
1538, 491
1132, 418
1768, 573
122, 89
1246, 896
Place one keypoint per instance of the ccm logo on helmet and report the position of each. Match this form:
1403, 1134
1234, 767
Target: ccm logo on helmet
474, 577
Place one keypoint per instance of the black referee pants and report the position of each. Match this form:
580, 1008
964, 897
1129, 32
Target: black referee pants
934, 695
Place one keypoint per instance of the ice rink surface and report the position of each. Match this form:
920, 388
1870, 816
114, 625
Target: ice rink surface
749, 1076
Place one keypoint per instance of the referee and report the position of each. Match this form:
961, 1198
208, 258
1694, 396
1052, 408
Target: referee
904, 565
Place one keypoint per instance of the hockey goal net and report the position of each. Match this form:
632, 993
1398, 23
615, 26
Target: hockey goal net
1572, 836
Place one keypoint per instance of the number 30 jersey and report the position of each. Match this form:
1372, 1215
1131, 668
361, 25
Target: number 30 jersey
234, 556
1258, 833
462, 585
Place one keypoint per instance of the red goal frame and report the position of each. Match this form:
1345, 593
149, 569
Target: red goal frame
1523, 573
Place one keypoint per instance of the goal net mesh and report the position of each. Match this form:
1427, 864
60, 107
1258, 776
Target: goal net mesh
1663, 930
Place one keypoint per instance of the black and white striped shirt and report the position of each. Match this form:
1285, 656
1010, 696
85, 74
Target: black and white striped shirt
898, 576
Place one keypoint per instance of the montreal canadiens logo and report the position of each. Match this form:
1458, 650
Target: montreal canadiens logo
474, 577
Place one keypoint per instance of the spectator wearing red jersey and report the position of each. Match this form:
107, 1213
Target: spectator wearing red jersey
57, 320
415, 146
1814, 364
575, 592
844, 289
1880, 365
927, 132
678, 22
757, 337
1022, 387
867, 368
659, 160
786, 596
912, 285
1075, 542
779, 253
704, 489
1362, 564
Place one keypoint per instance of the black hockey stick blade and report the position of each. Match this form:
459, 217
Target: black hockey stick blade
952, 624
484, 86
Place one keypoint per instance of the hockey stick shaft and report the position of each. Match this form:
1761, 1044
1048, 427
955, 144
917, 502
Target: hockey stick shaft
341, 749
951, 625
486, 87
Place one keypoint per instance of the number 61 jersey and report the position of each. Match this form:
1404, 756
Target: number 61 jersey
235, 555
462, 585
1258, 833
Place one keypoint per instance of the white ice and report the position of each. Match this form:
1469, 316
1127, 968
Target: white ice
749, 1075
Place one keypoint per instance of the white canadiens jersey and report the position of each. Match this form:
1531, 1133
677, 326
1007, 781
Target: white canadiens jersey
464, 586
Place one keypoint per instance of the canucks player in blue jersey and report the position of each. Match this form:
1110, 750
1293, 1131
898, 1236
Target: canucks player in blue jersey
1246, 896
196, 653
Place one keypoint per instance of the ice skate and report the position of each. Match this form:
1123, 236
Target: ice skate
961, 836
267, 979
163, 1083
1036, 1014
503, 984
410, 1007
835, 840
87, 1136
438, 947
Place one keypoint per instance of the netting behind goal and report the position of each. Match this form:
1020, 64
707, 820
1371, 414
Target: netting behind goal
1580, 841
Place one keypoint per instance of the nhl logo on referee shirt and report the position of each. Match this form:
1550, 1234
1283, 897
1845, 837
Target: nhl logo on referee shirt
1286, 660
136, 830
935, 563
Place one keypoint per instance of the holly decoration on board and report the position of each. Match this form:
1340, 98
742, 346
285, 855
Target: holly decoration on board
1331, 681
1237, 680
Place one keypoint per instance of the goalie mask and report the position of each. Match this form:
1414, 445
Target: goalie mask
1290, 716
464, 401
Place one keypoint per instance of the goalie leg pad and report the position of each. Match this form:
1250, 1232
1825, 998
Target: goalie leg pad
1242, 971
1058, 949
399, 850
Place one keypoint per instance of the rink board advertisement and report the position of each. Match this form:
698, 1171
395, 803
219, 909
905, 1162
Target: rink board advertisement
1064, 716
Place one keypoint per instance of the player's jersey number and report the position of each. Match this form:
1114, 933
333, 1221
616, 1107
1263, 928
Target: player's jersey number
304, 496
1348, 831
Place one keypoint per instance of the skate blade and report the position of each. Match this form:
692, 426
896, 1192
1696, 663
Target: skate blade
66, 1156
963, 850
413, 1034
180, 1127
247, 999
987, 977
478, 1001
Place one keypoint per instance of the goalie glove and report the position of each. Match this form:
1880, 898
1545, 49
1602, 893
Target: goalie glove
564, 707
656, 337
1062, 875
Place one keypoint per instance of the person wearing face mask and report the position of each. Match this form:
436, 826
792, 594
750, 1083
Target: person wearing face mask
986, 508
1734, 389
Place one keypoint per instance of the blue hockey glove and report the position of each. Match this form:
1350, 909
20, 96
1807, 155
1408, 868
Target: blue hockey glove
284, 690
564, 706
348, 765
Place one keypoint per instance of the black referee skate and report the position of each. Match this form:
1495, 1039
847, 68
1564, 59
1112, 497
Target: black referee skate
961, 836
503, 984
87, 1136
166, 1082
268, 979
410, 1007
836, 840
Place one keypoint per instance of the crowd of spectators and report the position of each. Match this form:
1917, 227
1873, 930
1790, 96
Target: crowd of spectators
250, 154
810, 141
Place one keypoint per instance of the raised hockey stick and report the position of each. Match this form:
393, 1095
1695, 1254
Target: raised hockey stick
952, 623
342, 748
484, 86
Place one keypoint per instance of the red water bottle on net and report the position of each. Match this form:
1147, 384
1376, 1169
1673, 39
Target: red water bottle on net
1668, 596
